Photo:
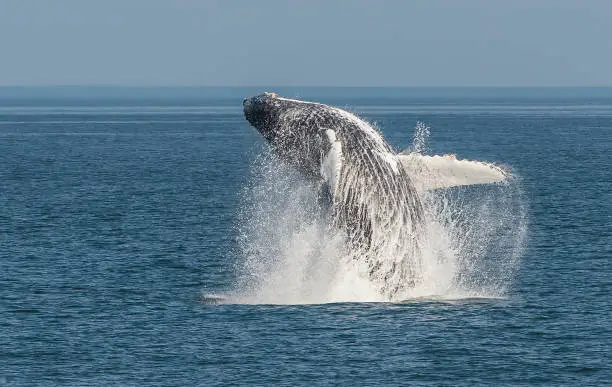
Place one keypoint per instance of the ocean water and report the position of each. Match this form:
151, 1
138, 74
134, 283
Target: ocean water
148, 238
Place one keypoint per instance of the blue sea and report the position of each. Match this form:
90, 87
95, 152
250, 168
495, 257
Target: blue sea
129, 221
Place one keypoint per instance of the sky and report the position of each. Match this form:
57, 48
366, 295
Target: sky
306, 42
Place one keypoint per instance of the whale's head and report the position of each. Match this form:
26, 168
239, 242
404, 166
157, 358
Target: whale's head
265, 112
293, 128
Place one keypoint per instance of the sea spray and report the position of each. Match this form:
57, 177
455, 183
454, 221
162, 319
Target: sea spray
420, 138
289, 254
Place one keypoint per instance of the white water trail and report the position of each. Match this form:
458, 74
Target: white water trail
474, 241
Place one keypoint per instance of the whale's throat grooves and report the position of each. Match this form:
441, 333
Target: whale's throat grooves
378, 206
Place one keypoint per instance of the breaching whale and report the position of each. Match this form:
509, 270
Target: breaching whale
372, 198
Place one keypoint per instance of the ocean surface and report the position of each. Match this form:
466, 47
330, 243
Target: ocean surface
129, 227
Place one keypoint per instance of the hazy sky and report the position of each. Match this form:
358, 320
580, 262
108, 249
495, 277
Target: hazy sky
306, 42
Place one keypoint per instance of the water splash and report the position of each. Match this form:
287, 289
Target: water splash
473, 242
476, 237
419, 140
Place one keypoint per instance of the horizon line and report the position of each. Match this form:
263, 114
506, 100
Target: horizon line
311, 86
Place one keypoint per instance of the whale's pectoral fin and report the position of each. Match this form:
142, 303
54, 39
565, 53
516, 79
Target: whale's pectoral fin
432, 172
331, 162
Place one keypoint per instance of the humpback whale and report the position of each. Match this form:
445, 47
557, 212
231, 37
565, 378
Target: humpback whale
368, 188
